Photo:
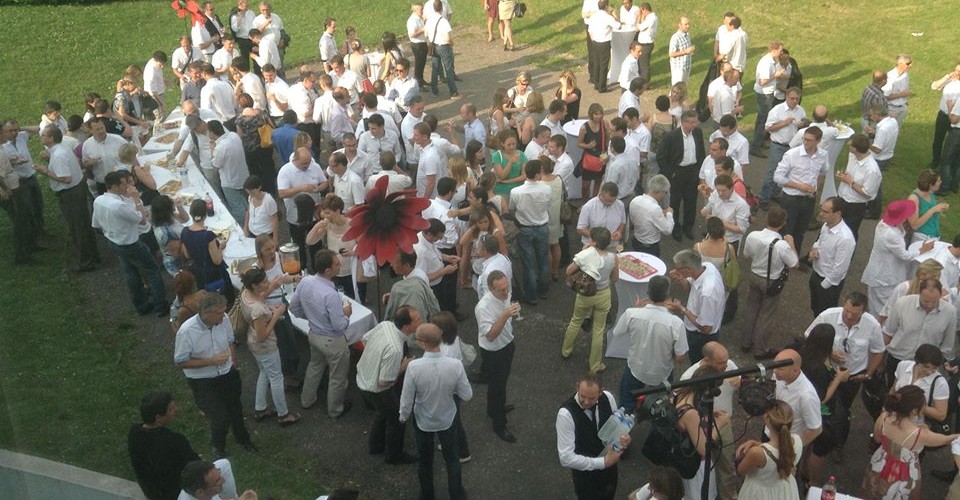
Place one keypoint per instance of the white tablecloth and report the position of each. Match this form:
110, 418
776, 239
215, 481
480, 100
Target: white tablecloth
629, 289
572, 129
814, 494
619, 48
361, 321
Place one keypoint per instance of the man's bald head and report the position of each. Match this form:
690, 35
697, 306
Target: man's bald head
188, 107
820, 113
879, 77
716, 355
302, 157
429, 334
788, 373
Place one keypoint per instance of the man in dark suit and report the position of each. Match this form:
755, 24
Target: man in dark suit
680, 155
213, 24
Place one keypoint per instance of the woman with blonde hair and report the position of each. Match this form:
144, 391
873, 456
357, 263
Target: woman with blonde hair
458, 171
928, 269
768, 468
518, 95
145, 183
678, 99
568, 92
533, 116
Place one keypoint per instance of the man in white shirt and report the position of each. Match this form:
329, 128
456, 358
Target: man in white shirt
765, 85
592, 462
554, 119
340, 124
795, 389
346, 183
951, 151
396, 180
439, 32
473, 129
629, 68
182, 56
716, 356
267, 50
600, 26
884, 142
230, 161
344, 77
371, 107
705, 300
302, 175
430, 390
328, 45
799, 174
604, 210
537, 146
416, 33
277, 93
250, 84
269, 24
622, 170
723, 96
118, 220
202, 41
730, 43
203, 480
716, 155
830, 256
99, 152
431, 166
404, 87
730, 208
859, 182
300, 97
436, 265
357, 161
377, 140
897, 88
783, 121
67, 181
153, 83
562, 163
495, 314
649, 219
223, 58
241, 22
949, 85
217, 95
407, 125
638, 138
737, 146
766, 267
646, 36
378, 371
631, 96
494, 260
657, 341
530, 204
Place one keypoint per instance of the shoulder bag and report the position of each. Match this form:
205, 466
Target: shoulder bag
775, 286
731, 269
670, 447
940, 427
432, 47
591, 162
582, 283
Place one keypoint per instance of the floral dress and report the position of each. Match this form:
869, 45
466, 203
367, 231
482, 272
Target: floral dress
894, 471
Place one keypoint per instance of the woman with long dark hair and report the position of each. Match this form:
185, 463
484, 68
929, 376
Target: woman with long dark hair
690, 422
204, 252
826, 378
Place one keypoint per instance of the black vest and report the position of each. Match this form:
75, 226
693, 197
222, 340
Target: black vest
586, 441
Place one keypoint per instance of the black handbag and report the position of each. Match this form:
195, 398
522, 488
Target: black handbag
775, 286
940, 427
669, 447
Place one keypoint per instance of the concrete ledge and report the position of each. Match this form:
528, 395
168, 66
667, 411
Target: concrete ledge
28, 477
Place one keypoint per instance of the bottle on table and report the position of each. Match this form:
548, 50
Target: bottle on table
209, 202
829, 490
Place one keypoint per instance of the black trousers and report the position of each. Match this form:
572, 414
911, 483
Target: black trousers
23, 236
653, 249
30, 193
853, 216
497, 365
848, 394
419, 61
386, 431
799, 211
446, 290
288, 347
599, 64
75, 210
940, 128
450, 449
683, 190
260, 163
219, 398
643, 62
595, 484
244, 44
821, 298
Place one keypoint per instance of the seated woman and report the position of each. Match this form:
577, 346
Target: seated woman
167, 218
261, 216
184, 305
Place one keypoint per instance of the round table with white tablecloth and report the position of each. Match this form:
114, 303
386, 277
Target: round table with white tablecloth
629, 289
619, 48
572, 129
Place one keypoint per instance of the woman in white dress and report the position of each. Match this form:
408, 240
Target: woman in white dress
768, 468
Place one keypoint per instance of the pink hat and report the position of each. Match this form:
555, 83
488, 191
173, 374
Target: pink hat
898, 211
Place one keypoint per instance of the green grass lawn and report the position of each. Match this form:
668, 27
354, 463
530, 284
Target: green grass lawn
71, 381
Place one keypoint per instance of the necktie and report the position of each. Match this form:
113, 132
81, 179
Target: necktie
593, 415
195, 150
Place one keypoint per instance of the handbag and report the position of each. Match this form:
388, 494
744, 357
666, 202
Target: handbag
469, 354
669, 447
519, 10
731, 270
432, 46
590, 161
940, 427
237, 320
568, 212
582, 283
266, 134
775, 286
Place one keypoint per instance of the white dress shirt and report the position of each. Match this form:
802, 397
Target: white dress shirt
781, 112
563, 167
327, 47
406, 134
629, 69
254, 87
395, 181
63, 163
531, 203
279, 89
301, 100
594, 213
349, 187
600, 26
706, 299
197, 340
866, 173
153, 82
756, 248
708, 171
886, 138
488, 309
734, 210
647, 29
107, 152
799, 166
648, 219
858, 342
738, 147
414, 24
269, 53
896, 83
566, 439
724, 401
438, 209
217, 96
242, 22
802, 398
836, 246
429, 385
429, 259
116, 218
430, 163
380, 361
628, 100
272, 29
230, 161
223, 60
766, 67
372, 146
656, 338
496, 262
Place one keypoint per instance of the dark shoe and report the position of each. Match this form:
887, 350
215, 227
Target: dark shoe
478, 379
944, 475
530, 302
162, 311
403, 459
218, 453
688, 233
676, 234
508, 408
747, 349
289, 420
249, 446
465, 459
506, 435
260, 416
346, 407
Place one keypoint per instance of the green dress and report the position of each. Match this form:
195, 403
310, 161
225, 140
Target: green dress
932, 226
516, 168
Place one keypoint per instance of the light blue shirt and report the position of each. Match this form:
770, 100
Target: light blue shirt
317, 300
428, 389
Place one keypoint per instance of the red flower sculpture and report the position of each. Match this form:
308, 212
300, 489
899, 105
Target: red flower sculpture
184, 7
386, 222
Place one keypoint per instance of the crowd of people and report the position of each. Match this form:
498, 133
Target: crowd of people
293, 157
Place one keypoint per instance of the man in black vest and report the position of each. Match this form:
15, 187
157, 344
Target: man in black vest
578, 422
679, 156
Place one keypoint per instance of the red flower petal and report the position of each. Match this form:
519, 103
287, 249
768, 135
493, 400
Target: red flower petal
412, 205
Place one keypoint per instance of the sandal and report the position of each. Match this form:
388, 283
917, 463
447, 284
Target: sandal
260, 416
289, 419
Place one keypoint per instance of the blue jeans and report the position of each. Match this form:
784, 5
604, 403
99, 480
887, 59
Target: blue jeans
628, 384
534, 253
443, 55
450, 446
764, 105
236, 202
770, 188
134, 260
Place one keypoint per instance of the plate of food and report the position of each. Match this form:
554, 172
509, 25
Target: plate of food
161, 162
165, 139
170, 188
636, 268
